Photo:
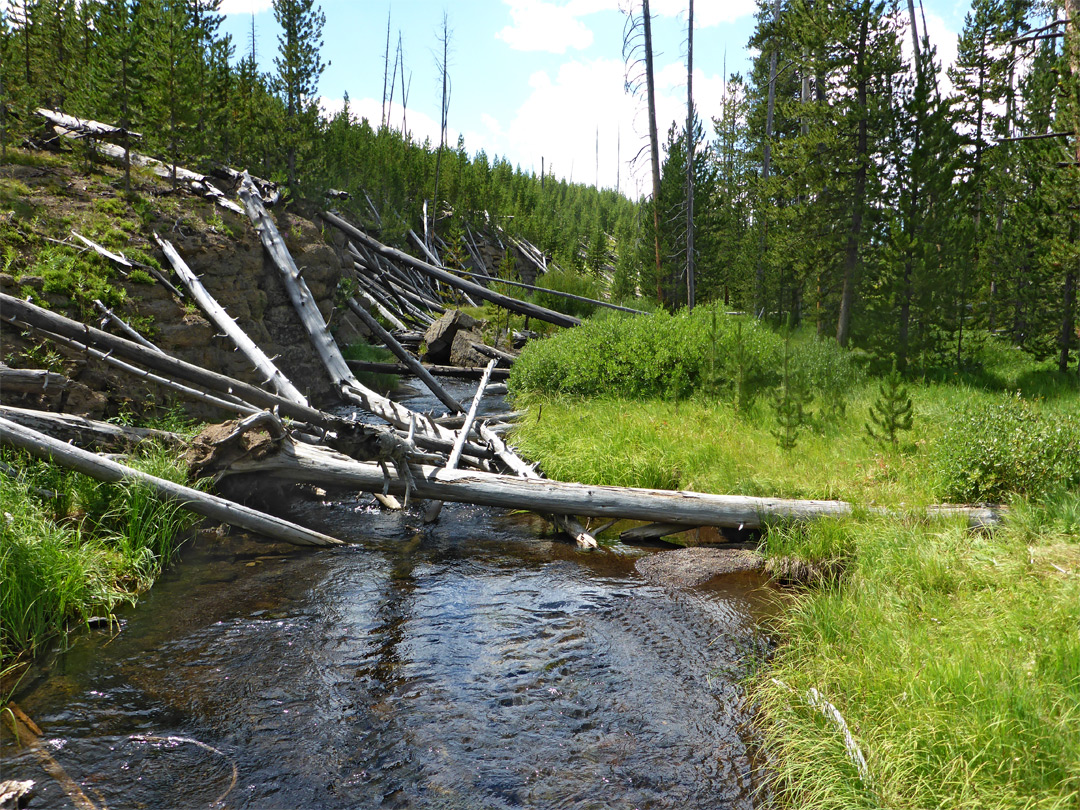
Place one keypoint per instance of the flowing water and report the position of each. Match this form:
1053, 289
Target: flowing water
473, 664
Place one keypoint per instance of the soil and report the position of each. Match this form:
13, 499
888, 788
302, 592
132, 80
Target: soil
221, 247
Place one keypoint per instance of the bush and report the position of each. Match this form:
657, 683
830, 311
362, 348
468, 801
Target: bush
993, 451
567, 281
664, 355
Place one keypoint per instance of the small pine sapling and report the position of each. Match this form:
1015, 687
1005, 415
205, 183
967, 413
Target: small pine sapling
891, 412
790, 403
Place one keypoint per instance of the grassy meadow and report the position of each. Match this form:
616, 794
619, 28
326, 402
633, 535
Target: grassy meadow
952, 656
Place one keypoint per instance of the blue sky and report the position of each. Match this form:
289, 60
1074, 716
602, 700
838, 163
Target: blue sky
534, 78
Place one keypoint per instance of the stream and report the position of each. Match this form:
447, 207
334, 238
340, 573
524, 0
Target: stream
477, 663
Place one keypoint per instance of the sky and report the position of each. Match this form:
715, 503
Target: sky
534, 79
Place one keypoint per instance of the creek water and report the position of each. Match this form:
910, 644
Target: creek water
474, 664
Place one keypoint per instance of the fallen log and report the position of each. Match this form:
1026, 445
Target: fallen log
217, 314
500, 374
88, 127
432, 513
89, 434
491, 351
111, 317
50, 322
652, 531
476, 290
371, 301
201, 503
31, 381
305, 464
418, 370
348, 386
556, 293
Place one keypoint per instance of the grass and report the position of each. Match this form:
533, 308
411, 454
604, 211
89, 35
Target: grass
368, 353
77, 555
953, 657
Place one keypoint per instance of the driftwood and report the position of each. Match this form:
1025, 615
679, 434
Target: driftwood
88, 434
217, 314
30, 381
201, 503
652, 531
476, 290
437, 370
372, 302
491, 351
29, 735
388, 340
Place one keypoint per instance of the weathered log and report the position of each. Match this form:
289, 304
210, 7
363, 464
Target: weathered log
371, 301
29, 735
302, 463
388, 340
30, 381
556, 293
652, 531
437, 370
15, 793
327, 349
491, 351
112, 317
271, 374
88, 127
435, 261
476, 290
198, 183
201, 503
432, 513
16, 309
89, 434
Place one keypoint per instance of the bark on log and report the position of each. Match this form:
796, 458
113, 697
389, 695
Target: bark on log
30, 381
477, 291
201, 503
271, 374
88, 434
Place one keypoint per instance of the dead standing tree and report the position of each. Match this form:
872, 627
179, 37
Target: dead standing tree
637, 50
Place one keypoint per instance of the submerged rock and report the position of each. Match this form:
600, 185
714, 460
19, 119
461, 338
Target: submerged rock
687, 567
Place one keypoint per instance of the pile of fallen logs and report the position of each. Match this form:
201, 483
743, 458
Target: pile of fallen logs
275, 433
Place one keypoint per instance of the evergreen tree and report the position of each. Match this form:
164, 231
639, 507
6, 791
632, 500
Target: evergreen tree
299, 67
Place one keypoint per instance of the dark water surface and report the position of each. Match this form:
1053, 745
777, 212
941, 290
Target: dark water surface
475, 664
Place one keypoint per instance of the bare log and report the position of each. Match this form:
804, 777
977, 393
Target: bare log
491, 351
546, 291
201, 503
304, 303
30, 380
652, 531
112, 317
272, 375
88, 127
388, 340
88, 434
477, 291
16, 309
371, 301
432, 513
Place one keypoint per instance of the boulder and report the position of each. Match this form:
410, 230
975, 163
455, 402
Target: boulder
441, 334
463, 354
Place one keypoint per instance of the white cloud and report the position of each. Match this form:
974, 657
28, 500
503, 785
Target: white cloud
538, 25
245, 6
707, 13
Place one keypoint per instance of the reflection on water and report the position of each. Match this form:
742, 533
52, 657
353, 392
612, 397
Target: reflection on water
474, 665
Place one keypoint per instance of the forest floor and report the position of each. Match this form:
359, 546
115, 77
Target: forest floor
919, 663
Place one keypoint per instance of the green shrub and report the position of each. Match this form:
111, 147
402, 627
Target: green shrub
667, 355
993, 451
567, 281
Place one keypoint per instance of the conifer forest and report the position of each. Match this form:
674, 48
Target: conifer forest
841, 186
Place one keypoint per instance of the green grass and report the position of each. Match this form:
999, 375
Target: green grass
76, 556
953, 657
368, 353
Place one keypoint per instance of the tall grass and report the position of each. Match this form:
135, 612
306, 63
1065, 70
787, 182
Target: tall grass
76, 556
953, 657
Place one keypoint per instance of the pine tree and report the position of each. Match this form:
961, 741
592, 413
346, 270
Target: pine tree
299, 67
891, 412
